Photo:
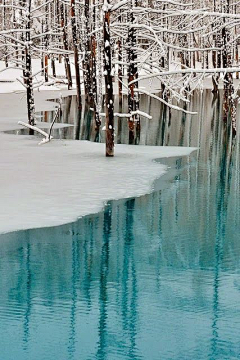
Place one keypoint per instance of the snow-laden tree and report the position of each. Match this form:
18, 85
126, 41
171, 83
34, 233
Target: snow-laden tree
176, 44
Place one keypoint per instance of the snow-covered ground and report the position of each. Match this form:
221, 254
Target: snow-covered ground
9, 79
10, 84
63, 180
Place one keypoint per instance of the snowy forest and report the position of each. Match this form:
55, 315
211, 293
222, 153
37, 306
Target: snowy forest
117, 45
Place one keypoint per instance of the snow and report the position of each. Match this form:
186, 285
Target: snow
63, 180
10, 84
107, 44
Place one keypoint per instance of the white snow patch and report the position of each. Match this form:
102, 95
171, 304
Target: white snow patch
57, 183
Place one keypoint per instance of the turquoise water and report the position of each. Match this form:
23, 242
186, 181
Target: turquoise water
156, 277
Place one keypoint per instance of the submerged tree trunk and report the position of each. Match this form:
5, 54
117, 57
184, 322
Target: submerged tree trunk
108, 81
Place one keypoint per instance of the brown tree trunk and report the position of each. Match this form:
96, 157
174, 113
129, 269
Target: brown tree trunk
46, 67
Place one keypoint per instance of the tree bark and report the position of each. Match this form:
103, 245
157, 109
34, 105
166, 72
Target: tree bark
76, 56
87, 49
65, 45
108, 82
133, 102
28, 70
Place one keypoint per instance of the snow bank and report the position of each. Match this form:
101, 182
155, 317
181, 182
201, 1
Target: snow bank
9, 82
64, 180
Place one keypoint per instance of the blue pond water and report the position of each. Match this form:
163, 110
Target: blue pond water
156, 277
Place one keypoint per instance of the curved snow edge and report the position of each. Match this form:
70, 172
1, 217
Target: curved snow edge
66, 180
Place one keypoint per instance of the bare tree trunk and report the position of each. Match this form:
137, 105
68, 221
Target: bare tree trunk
53, 66
237, 59
120, 73
28, 70
215, 78
42, 54
108, 81
46, 67
229, 106
16, 43
236, 47
46, 44
58, 11
94, 84
4, 20
87, 49
65, 45
133, 103
94, 89
76, 56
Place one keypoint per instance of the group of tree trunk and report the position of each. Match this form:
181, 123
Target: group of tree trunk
117, 45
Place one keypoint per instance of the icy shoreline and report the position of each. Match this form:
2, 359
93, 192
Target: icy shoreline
59, 182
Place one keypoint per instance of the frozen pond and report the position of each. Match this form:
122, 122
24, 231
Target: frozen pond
155, 277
